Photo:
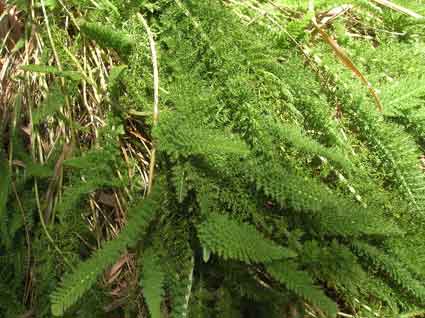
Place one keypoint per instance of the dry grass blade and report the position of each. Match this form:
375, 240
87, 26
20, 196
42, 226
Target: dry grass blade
11, 27
345, 59
55, 182
399, 8
331, 15
412, 314
156, 92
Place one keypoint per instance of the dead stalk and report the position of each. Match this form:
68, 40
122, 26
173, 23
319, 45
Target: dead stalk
156, 95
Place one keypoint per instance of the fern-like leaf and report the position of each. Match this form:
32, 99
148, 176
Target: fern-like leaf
393, 268
180, 137
401, 155
107, 37
233, 240
296, 138
47, 69
333, 213
300, 283
53, 102
152, 282
82, 279
181, 288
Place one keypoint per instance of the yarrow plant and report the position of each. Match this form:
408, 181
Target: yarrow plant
183, 158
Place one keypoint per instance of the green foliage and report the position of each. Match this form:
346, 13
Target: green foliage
295, 137
401, 154
302, 285
152, 280
77, 283
243, 242
277, 185
114, 79
337, 265
178, 136
331, 213
107, 37
46, 69
180, 279
393, 268
4, 185
52, 104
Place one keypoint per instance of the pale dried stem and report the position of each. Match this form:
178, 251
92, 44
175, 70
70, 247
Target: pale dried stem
156, 95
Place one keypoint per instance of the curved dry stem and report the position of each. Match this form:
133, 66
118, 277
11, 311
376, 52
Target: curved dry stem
154, 58
345, 59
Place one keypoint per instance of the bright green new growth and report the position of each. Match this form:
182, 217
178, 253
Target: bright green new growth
46, 69
232, 240
107, 37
